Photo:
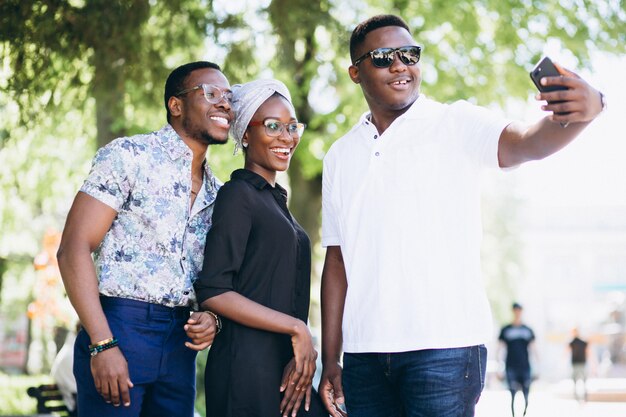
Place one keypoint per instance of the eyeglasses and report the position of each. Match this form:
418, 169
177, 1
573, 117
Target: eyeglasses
212, 93
384, 57
274, 127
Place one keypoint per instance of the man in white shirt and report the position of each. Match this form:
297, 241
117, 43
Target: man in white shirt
401, 287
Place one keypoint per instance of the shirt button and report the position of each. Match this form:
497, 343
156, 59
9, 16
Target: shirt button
184, 258
186, 292
377, 154
375, 136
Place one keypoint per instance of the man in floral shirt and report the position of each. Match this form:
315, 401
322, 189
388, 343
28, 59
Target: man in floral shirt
144, 211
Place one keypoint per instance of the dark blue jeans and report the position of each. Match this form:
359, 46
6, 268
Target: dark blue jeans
422, 383
161, 367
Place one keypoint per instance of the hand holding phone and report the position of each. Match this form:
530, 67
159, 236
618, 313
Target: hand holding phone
546, 68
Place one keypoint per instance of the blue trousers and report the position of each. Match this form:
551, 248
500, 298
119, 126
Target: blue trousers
161, 367
422, 383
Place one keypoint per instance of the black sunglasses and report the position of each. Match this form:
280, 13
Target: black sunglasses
384, 57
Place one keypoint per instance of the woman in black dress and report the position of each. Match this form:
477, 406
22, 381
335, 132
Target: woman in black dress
256, 272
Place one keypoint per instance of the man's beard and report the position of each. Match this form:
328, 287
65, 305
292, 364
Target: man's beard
200, 135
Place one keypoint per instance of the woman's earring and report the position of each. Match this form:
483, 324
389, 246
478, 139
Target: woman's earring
245, 144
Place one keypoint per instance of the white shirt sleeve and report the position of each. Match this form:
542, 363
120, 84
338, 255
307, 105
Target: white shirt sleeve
330, 216
481, 129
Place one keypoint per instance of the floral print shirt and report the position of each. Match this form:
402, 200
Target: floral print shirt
155, 246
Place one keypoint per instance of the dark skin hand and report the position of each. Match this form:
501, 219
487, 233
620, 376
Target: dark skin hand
110, 372
200, 328
293, 397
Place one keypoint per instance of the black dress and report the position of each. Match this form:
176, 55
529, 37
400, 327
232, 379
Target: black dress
256, 248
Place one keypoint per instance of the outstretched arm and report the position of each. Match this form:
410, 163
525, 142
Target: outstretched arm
87, 223
577, 107
334, 287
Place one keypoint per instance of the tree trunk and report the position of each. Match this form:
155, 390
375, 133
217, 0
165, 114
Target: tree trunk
108, 91
305, 200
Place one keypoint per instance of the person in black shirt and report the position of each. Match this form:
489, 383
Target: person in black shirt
579, 349
517, 337
256, 272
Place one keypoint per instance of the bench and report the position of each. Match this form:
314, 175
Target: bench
49, 400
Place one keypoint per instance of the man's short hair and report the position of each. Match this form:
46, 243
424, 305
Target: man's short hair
360, 32
517, 306
176, 80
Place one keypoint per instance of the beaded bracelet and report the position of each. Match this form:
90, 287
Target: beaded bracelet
218, 322
102, 346
102, 342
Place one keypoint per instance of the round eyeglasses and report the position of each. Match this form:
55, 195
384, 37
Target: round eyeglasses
384, 57
212, 93
274, 127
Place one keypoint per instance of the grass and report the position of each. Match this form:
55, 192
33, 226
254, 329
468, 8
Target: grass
13, 398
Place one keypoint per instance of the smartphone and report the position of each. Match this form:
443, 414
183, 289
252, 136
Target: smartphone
545, 68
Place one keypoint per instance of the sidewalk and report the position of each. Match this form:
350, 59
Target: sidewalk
607, 398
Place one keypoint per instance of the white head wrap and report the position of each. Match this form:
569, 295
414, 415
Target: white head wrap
247, 98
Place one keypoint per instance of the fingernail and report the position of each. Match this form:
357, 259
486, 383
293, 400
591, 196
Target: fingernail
543, 81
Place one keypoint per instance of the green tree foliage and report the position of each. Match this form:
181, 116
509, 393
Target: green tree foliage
114, 51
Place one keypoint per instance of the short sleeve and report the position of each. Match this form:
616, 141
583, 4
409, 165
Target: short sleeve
226, 241
501, 336
480, 132
110, 179
330, 228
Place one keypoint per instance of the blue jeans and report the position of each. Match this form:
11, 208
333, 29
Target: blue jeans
161, 367
422, 383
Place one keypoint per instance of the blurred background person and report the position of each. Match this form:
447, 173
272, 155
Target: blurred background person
62, 371
517, 338
579, 350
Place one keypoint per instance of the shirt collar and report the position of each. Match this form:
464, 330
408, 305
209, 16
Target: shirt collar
420, 109
176, 148
255, 180
172, 142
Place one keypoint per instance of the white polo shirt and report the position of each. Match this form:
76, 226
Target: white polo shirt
404, 207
